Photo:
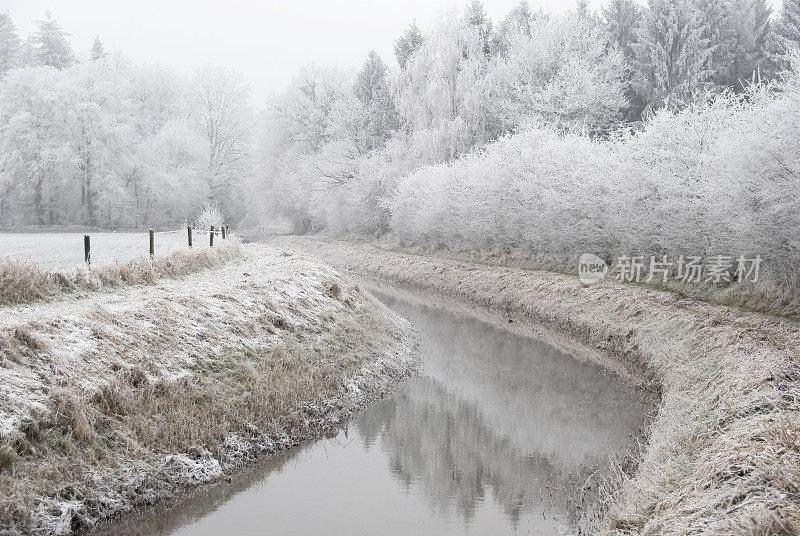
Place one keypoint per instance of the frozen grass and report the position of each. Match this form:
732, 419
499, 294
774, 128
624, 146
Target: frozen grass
765, 297
130, 397
55, 250
25, 281
723, 453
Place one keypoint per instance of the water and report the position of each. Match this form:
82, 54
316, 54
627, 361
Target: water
498, 437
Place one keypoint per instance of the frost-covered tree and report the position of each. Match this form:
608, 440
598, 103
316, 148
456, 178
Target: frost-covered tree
373, 91
622, 19
309, 143
100, 139
50, 44
714, 17
787, 25
97, 52
748, 27
224, 112
517, 20
560, 72
10, 45
436, 91
407, 44
32, 133
27, 53
784, 37
475, 16
672, 55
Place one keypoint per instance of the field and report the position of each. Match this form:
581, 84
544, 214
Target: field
65, 250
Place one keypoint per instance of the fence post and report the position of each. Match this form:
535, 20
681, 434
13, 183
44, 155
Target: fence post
152, 243
211, 237
189, 234
223, 232
87, 253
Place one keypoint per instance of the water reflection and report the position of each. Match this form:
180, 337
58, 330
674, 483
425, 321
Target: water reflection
497, 437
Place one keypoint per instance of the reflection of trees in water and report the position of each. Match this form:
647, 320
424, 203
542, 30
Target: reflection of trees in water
543, 399
516, 417
425, 430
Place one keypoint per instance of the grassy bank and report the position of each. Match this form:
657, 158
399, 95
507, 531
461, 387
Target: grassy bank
723, 455
125, 398
26, 282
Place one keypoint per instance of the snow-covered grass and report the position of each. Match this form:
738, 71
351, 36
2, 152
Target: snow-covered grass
126, 397
61, 251
723, 453
23, 281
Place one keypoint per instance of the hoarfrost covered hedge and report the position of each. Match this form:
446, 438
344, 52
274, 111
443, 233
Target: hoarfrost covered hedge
716, 179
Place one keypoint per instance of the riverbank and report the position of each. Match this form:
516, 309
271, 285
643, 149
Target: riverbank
723, 453
116, 400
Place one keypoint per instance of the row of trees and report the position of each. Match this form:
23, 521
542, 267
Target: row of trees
718, 178
336, 145
110, 144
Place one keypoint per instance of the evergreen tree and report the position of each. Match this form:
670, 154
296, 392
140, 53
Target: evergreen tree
50, 45
519, 19
97, 52
582, 9
27, 57
475, 16
749, 27
715, 17
10, 45
622, 19
786, 30
407, 44
672, 56
372, 90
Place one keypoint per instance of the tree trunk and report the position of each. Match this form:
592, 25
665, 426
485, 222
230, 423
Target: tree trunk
90, 206
37, 202
87, 192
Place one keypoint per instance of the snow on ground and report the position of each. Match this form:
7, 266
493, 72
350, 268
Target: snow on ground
65, 250
177, 383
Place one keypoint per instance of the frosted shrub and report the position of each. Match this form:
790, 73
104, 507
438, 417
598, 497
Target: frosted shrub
210, 215
719, 178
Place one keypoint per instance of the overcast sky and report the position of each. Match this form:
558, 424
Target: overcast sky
266, 41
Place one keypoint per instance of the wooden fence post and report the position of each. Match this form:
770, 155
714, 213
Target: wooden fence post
189, 234
211, 237
223, 233
152, 243
87, 253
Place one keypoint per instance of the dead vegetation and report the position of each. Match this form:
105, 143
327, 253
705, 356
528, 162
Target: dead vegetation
126, 400
767, 297
723, 454
25, 282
